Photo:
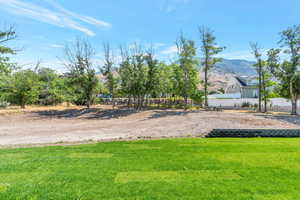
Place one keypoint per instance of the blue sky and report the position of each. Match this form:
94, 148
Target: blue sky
45, 26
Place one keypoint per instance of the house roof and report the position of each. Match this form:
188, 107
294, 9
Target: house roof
242, 82
247, 81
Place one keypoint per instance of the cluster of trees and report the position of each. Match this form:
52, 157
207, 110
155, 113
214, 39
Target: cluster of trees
45, 86
137, 74
142, 76
272, 68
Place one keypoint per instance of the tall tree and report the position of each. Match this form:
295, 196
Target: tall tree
108, 71
79, 62
5, 66
187, 71
287, 71
139, 75
134, 73
125, 73
52, 89
288, 77
209, 50
267, 83
256, 50
152, 73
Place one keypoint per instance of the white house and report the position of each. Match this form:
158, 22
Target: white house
245, 86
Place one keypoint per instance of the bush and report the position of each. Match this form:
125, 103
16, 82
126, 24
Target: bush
4, 104
246, 105
197, 97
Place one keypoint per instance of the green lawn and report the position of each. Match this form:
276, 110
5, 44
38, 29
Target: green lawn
186, 169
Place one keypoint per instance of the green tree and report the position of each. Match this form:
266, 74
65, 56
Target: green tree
152, 64
209, 50
186, 74
259, 65
139, 75
79, 57
164, 85
125, 73
287, 72
52, 89
6, 67
23, 88
264, 77
108, 71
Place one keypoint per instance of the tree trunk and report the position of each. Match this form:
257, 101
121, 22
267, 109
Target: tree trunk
294, 100
186, 102
259, 89
264, 93
22, 103
205, 87
129, 101
265, 105
294, 107
113, 101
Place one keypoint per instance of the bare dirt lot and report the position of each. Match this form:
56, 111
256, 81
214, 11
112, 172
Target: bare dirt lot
57, 125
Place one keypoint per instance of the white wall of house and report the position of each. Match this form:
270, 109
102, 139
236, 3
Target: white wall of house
249, 92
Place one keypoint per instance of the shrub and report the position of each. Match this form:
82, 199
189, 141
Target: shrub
4, 104
246, 105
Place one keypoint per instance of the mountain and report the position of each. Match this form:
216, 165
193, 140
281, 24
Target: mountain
238, 67
223, 75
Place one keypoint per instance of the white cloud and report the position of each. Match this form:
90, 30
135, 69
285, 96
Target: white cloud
87, 19
171, 5
60, 17
242, 55
56, 45
171, 50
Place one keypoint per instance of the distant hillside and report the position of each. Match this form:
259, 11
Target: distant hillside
239, 67
223, 75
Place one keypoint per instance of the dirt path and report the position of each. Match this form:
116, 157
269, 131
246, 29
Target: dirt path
75, 125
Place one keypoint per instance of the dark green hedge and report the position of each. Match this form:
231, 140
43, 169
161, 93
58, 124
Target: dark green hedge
254, 133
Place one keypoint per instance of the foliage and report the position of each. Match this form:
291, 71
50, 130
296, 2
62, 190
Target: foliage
6, 67
197, 97
23, 88
209, 50
287, 72
260, 69
81, 71
52, 87
4, 104
186, 73
246, 105
107, 70
139, 75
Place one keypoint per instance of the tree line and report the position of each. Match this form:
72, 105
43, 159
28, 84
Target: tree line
279, 67
134, 72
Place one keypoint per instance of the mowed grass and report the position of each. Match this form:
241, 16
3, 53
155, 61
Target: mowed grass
185, 169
